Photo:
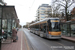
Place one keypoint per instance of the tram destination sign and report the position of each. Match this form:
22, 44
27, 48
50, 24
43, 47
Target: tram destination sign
54, 20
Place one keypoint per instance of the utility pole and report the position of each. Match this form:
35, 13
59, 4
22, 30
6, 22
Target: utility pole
1, 15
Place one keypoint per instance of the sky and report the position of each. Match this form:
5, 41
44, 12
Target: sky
26, 9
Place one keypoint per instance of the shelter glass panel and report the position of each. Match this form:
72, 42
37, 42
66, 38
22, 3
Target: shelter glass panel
13, 23
0, 11
64, 29
0, 24
9, 25
72, 29
0, 29
4, 24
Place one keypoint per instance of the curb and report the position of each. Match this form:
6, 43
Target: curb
29, 43
68, 39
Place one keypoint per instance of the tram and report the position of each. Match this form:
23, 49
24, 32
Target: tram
49, 28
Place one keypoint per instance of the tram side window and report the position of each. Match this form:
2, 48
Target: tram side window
41, 27
49, 25
44, 28
33, 27
30, 27
37, 27
59, 27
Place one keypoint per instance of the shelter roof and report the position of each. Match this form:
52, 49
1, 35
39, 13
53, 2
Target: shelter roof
8, 12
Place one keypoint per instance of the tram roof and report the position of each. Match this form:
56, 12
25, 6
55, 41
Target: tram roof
43, 20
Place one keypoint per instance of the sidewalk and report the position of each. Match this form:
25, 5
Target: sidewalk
19, 45
22, 44
69, 38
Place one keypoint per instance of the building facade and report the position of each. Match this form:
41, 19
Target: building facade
43, 11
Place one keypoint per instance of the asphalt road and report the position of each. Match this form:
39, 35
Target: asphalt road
38, 43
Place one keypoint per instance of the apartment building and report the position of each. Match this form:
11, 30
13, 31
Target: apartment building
43, 11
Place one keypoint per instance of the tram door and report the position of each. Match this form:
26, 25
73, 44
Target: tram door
45, 30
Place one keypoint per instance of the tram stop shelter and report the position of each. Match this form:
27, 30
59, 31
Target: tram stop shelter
68, 28
8, 20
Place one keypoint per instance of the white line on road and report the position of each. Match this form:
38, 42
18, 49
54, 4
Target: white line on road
26, 43
21, 41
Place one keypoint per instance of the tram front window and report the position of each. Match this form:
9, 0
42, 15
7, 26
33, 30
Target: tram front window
54, 26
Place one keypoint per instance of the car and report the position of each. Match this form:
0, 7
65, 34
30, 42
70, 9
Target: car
17, 29
28, 28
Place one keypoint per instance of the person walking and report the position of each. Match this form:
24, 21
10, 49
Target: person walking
14, 35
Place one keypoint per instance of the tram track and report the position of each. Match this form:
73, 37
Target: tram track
47, 43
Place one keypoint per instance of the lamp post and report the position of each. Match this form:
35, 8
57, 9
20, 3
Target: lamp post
1, 15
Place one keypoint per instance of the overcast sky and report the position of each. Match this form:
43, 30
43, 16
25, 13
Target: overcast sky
26, 9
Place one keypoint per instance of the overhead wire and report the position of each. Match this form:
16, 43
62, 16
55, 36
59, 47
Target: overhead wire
31, 6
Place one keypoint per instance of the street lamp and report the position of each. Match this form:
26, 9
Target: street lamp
1, 15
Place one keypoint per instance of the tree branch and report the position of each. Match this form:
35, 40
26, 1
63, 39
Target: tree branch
57, 1
60, 4
70, 4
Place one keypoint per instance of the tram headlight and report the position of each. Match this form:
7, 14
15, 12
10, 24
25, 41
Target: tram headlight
49, 32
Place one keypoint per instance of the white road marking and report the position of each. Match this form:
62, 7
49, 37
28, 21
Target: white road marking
26, 43
21, 41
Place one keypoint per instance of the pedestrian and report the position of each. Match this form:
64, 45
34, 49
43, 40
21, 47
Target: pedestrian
14, 35
2, 31
4, 35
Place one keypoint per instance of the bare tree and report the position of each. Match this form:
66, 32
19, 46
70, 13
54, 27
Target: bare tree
2, 2
66, 4
55, 10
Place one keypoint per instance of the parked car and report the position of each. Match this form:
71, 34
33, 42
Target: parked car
28, 28
17, 29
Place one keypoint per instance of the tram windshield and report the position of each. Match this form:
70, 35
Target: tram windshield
54, 26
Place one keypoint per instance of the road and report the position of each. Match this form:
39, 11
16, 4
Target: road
38, 43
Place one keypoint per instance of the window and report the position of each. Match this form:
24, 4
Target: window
73, 26
36, 27
42, 14
54, 26
41, 27
42, 9
49, 10
42, 17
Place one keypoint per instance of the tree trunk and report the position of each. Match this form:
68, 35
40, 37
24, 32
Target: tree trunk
66, 13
